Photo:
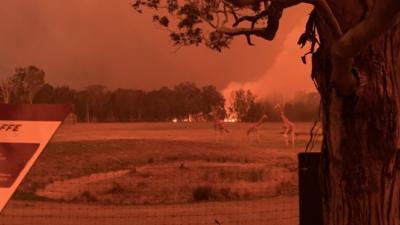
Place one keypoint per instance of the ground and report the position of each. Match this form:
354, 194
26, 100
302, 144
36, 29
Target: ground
161, 173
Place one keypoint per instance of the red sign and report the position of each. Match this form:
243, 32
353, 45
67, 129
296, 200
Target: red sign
25, 130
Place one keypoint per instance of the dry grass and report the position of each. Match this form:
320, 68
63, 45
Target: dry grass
161, 173
171, 169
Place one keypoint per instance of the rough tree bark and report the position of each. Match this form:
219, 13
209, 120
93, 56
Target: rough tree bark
361, 160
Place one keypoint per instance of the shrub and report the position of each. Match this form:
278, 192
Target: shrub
116, 188
202, 193
286, 188
254, 175
88, 197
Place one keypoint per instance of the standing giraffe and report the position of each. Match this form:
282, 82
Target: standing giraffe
254, 128
287, 125
218, 124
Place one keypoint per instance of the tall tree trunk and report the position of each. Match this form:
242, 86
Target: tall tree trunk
87, 113
361, 160
30, 97
6, 91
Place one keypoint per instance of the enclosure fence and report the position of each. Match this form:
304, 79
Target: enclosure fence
225, 195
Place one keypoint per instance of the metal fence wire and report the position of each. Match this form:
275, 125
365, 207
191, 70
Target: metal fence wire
160, 182
106, 199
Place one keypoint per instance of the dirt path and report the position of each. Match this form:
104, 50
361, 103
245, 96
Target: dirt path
69, 189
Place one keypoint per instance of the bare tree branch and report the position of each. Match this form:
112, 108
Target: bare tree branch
252, 19
341, 60
259, 32
243, 3
226, 18
276, 6
273, 13
208, 21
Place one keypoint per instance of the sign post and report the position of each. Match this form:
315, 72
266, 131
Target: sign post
25, 131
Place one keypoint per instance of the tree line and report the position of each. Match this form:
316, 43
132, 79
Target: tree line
245, 106
96, 103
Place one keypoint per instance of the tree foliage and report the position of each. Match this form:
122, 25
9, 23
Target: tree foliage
242, 101
304, 106
26, 81
96, 103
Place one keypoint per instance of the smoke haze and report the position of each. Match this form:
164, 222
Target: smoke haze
286, 76
84, 42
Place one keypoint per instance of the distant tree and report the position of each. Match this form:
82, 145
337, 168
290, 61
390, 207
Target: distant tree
96, 100
64, 94
97, 104
268, 106
138, 105
45, 95
104, 112
91, 103
6, 90
122, 104
159, 104
241, 102
211, 98
255, 112
187, 99
82, 108
303, 107
26, 81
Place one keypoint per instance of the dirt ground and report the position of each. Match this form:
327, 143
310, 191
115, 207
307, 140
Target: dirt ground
161, 173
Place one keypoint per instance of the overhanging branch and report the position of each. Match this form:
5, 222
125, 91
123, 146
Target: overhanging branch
273, 12
385, 14
344, 46
259, 32
252, 19
243, 3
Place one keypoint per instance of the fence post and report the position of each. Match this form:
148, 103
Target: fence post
310, 194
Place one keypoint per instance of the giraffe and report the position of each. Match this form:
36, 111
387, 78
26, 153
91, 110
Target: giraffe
287, 125
218, 124
254, 128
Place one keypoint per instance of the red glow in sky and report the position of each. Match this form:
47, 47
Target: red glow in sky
83, 42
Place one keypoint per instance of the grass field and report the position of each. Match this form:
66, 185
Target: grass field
161, 173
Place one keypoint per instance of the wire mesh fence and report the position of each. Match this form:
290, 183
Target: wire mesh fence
279, 211
160, 182
117, 198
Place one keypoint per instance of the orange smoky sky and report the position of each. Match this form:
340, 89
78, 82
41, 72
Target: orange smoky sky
84, 42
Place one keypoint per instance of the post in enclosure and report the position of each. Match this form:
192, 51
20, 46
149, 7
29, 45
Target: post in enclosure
310, 189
